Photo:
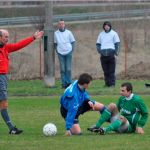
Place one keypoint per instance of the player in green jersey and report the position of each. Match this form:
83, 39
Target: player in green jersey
128, 115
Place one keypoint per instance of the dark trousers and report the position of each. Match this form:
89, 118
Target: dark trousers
81, 110
108, 65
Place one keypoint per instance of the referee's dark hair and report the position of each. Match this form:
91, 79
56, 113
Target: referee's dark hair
128, 86
84, 78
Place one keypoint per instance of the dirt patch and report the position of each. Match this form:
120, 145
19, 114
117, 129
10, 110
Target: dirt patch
136, 71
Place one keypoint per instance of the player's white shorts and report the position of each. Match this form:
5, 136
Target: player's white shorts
124, 127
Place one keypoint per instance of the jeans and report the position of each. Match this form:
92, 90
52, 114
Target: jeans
65, 68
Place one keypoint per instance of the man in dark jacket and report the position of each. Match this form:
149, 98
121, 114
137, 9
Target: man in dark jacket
108, 46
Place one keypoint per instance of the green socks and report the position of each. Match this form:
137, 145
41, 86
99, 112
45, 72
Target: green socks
113, 126
103, 118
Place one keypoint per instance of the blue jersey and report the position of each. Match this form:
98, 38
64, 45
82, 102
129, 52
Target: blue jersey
71, 100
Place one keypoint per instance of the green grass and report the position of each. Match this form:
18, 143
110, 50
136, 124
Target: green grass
31, 113
36, 87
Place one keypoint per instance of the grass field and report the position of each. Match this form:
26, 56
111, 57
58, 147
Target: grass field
32, 112
36, 88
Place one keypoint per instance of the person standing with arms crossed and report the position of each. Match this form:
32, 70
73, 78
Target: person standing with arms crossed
64, 43
5, 49
107, 44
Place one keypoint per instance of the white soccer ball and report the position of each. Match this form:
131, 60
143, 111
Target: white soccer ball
49, 129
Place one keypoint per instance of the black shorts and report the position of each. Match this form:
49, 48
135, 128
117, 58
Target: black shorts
81, 110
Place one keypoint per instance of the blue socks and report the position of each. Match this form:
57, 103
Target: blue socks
6, 118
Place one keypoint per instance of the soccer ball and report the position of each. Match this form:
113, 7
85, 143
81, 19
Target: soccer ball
49, 129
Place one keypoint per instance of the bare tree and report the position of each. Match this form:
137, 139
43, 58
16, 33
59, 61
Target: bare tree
38, 21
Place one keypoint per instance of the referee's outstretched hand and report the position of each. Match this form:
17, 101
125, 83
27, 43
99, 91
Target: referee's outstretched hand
38, 34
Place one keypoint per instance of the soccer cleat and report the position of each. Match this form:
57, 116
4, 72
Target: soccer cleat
15, 131
93, 129
101, 131
147, 85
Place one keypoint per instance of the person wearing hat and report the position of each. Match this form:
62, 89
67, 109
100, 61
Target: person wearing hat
107, 45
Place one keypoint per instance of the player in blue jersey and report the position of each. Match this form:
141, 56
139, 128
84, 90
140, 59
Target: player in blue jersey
76, 101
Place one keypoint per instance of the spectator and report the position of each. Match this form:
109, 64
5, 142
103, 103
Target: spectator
108, 46
64, 43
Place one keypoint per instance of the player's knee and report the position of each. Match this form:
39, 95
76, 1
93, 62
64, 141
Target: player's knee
76, 130
3, 105
112, 107
122, 119
98, 106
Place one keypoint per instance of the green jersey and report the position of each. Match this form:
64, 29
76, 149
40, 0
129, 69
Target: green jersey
134, 110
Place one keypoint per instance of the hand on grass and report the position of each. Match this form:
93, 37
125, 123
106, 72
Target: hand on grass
68, 133
139, 130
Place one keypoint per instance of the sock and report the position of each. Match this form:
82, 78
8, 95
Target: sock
6, 118
104, 117
113, 126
